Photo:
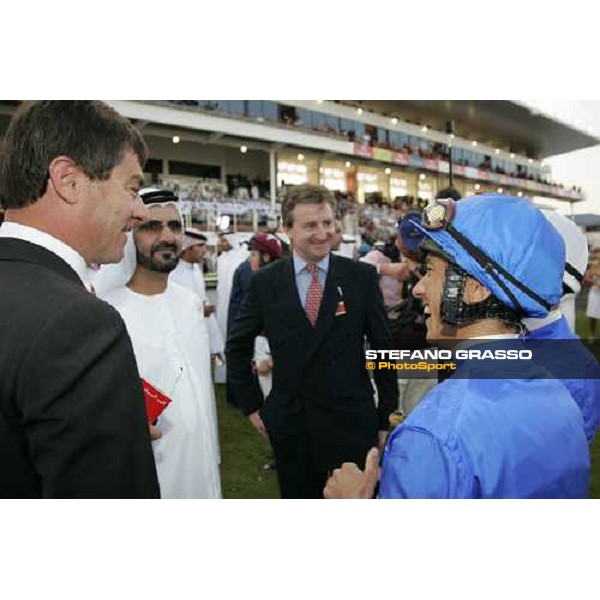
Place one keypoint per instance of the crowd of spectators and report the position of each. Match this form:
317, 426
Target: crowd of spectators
288, 116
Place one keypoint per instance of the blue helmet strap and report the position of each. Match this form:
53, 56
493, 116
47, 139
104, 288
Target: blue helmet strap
456, 312
492, 268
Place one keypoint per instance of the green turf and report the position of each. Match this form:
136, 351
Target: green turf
244, 452
581, 326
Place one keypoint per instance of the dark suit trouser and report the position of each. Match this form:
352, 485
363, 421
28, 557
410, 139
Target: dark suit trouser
297, 472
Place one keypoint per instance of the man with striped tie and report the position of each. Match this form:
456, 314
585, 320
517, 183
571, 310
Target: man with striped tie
316, 310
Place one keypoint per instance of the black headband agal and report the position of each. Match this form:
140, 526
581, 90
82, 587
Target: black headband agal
196, 235
156, 196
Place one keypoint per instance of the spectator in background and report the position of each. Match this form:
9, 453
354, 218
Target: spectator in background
407, 319
570, 361
231, 255
263, 248
448, 192
577, 260
390, 284
593, 304
190, 269
367, 232
337, 237
189, 273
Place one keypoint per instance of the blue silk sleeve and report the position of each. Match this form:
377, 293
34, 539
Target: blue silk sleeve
417, 465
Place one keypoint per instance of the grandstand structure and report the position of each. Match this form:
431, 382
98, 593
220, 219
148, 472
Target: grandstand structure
237, 157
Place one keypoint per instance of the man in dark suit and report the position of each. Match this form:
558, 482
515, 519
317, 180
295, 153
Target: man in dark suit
315, 309
72, 415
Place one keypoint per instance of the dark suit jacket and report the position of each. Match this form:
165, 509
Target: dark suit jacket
319, 374
72, 414
239, 286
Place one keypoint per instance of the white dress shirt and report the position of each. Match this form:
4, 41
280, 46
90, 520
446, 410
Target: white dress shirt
49, 242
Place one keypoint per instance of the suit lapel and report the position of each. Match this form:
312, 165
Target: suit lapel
291, 297
12, 249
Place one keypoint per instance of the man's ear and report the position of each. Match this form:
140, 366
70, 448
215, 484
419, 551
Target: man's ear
475, 292
66, 179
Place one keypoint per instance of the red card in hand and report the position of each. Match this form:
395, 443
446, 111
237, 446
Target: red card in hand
156, 401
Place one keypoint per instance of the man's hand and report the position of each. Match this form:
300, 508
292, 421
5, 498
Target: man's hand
209, 309
155, 432
258, 424
351, 482
264, 367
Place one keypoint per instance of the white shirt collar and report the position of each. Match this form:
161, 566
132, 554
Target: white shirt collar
475, 340
497, 336
49, 242
551, 317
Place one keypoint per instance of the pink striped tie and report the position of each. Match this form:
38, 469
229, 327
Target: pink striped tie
314, 295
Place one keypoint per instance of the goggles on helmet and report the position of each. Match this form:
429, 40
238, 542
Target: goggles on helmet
438, 214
